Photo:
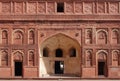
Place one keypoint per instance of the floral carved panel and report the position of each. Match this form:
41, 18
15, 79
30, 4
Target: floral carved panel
32, 8
6, 8
88, 8
113, 8
19, 8
78, 7
50, 7
41, 7
69, 7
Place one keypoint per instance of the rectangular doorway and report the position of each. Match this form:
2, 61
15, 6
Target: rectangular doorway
101, 68
59, 67
18, 68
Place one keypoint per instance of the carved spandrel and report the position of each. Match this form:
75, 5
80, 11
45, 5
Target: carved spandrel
50, 7
6, 8
88, 8
69, 8
19, 8
41, 7
101, 7
113, 8
78, 7
32, 8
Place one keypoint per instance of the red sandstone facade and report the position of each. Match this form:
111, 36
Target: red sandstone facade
85, 34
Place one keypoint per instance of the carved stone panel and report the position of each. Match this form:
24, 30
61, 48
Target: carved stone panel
101, 7
51, 7
88, 57
32, 8
6, 8
113, 8
88, 8
88, 36
115, 57
69, 7
19, 8
78, 7
41, 7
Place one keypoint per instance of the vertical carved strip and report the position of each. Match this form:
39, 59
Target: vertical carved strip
105, 7
11, 7
0, 7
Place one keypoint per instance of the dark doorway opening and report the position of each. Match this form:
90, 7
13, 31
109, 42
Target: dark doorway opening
18, 68
59, 67
101, 68
59, 53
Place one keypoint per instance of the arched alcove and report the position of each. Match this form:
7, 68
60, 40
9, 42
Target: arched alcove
59, 46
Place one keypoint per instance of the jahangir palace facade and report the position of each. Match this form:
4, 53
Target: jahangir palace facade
44, 38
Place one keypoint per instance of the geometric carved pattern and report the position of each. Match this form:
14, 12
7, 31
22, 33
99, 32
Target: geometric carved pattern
41, 7
19, 8
78, 7
114, 8
101, 7
51, 7
69, 7
6, 8
88, 8
32, 8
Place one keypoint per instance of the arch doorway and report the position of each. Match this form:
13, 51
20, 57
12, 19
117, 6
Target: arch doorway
60, 59
102, 64
18, 64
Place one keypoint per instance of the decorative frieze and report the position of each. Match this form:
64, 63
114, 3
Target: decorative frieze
42, 7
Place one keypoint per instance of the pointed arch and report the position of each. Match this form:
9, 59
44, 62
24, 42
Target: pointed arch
31, 37
115, 58
18, 56
88, 36
101, 37
59, 46
18, 37
58, 52
115, 36
4, 37
31, 58
88, 57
